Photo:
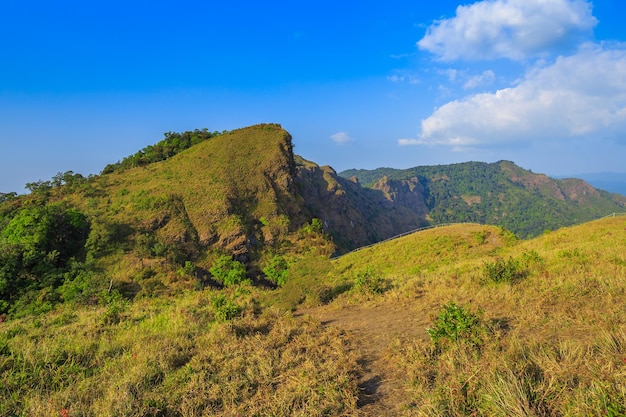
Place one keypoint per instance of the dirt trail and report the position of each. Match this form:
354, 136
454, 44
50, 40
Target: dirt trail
373, 329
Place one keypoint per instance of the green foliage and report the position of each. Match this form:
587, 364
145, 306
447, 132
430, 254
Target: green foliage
224, 308
228, 271
276, 270
62, 183
172, 144
369, 281
113, 313
38, 246
456, 324
509, 271
106, 236
531, 259
7, 197
188, 269
315, 226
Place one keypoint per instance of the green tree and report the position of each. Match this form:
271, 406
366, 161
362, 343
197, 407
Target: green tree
36, 245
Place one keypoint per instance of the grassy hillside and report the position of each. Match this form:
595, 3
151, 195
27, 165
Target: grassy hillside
500, 193
155, 228
537, 327
533, 327
199, 284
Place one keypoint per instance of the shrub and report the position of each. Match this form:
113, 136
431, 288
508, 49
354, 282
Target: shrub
503, 271
228, 271
315, 226
456, 324
276, 269
225, 309
369, 281
189, 269
115, 307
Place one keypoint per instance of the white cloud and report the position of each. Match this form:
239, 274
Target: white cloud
341, 138
404, 77
579, 96
476, 81
513, 29
408, 142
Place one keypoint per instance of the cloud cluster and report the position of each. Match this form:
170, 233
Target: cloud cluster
513, 29
341, 138
577, 96
567, 95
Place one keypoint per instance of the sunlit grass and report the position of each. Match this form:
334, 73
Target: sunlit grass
554, 340
171, 357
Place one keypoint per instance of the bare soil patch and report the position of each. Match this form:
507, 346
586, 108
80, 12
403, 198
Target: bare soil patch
373, 330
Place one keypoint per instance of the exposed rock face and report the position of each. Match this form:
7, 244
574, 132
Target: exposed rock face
408, 193
357, 216
499, 193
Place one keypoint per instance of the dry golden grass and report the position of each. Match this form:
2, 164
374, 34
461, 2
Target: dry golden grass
555, 338
553, 341
171, 357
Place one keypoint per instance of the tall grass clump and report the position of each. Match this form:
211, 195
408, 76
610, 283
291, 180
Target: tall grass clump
368, 281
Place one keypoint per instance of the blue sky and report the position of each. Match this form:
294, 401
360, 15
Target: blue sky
357, 84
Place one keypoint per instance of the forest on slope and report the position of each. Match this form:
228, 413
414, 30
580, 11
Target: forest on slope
498, 193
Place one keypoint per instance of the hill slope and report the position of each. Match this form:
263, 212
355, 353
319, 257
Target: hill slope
499, 193
548, 340
160, 220
462, 320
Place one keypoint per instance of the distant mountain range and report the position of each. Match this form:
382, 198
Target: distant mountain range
499, 193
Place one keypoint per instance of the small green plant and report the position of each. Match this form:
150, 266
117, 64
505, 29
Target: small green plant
508, 236
276, 269
501, 270
315, 226
116, 306
225, 309
188, 269
456, 324
228, 271
368, 281
481, 236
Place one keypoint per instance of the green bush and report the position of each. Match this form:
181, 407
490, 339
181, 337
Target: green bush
115, 307
368, 281
508, 271
188, 269
276, 269
228, 271
456, 324
225, 309
315, 226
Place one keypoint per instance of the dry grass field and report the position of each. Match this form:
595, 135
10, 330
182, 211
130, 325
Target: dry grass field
455, 321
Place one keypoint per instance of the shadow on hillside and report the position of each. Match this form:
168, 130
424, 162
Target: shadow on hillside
368, 391
205, 279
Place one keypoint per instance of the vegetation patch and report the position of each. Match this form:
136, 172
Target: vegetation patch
507, 271
457, 324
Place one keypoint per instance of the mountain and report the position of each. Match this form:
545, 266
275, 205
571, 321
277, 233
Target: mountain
195, 278
610, 181
199, 206
498, 193
456, 320
354, 215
